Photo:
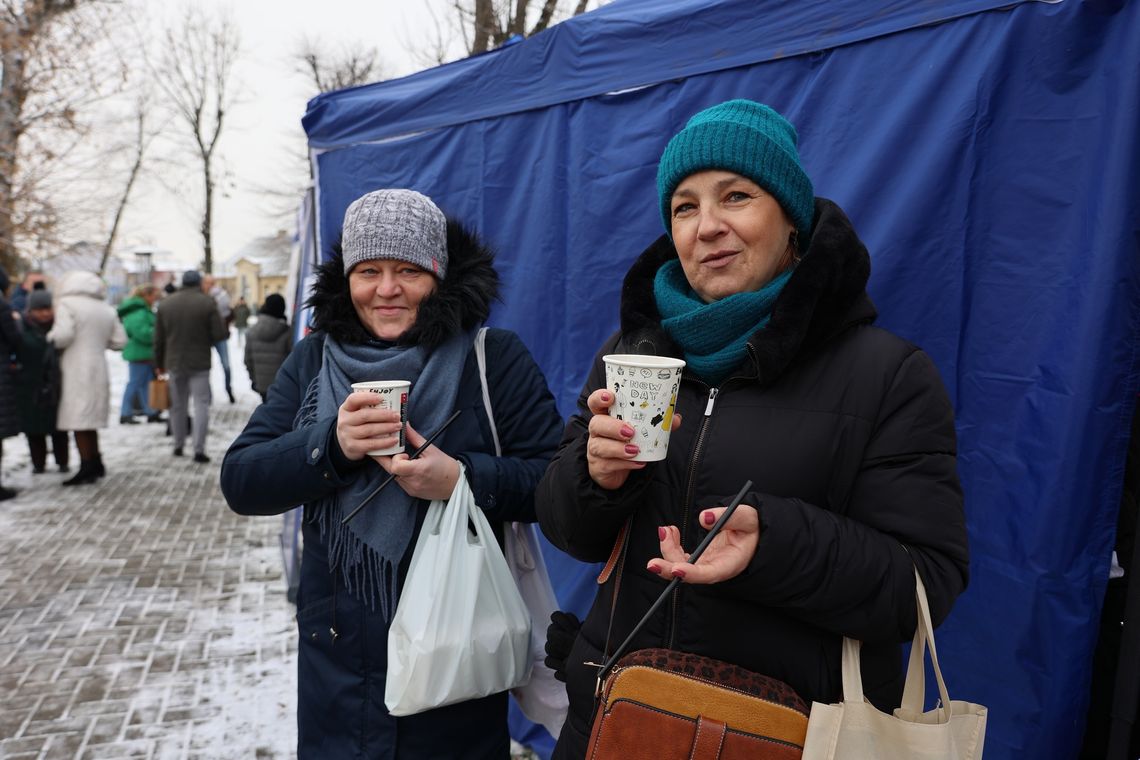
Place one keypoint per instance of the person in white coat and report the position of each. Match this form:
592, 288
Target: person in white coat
85, 326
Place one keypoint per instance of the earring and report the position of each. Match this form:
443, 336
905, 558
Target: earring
794, 242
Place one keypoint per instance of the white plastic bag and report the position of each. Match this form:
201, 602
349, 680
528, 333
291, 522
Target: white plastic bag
461, 630
542, 699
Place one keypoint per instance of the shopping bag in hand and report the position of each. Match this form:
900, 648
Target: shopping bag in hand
461, 630
158, 394
542, 699
854, 730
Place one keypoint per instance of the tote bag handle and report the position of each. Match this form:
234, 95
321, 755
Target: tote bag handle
914, 691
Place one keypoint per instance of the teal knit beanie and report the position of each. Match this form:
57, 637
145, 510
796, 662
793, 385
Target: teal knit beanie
744, 137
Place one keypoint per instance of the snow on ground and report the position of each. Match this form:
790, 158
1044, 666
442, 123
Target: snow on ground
171, 609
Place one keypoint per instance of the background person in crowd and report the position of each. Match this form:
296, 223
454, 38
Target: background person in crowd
186, 328
222, 346
241, 319
404, 302
9, 346
845, 431
267, 344
84, 328
39, 385
24, 289
137, 315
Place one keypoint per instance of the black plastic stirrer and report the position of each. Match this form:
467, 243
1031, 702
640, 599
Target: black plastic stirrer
732, 505
392, 477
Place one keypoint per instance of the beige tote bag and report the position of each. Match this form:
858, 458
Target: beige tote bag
855, 730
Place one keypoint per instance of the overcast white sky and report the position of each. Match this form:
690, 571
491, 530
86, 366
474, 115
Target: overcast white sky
263, 143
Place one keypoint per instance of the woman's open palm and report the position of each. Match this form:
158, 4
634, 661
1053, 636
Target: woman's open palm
726, 557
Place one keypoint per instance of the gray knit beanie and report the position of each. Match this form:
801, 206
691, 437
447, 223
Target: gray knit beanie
395, 224
39, 299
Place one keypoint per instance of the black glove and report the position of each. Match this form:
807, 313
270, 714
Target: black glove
560, 635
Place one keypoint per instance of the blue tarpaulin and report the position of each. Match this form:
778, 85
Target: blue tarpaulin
987, 153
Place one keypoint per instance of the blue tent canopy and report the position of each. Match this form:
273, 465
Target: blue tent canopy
985, 151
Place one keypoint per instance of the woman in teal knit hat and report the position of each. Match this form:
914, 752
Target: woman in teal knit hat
844, 429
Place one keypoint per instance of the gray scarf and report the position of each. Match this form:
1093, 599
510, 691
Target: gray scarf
368, 550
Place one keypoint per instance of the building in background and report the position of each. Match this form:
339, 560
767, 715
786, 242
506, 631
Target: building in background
258, 269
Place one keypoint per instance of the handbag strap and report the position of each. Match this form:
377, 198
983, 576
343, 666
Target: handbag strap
481, 360
914, 691
523, 557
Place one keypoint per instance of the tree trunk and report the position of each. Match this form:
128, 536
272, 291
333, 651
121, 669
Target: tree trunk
485, 26
207, 218
21, 25
517, 24
548, 13
12, 96
140, 150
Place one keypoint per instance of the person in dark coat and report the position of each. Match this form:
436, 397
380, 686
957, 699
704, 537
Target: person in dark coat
241, 319
403, 302
267, 343
9, 364
186, 328
39, 385
844, 429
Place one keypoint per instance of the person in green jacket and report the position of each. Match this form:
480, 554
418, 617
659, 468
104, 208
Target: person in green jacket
137, 315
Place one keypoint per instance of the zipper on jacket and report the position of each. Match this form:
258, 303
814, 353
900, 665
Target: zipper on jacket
675, 601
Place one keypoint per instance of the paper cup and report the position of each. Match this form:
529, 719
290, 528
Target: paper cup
645, 392
392, 394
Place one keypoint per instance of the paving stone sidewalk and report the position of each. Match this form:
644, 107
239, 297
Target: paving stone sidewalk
139, 617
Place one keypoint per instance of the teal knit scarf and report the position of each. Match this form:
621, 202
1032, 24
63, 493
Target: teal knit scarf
712, 335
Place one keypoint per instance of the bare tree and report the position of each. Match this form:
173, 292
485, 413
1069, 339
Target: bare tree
55, 64
143, 136
349, 66
195, 74
486, 24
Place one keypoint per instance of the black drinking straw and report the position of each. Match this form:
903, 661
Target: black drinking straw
732, 505
392, 477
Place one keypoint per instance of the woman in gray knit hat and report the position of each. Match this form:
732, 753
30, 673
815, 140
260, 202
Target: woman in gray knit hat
403, 301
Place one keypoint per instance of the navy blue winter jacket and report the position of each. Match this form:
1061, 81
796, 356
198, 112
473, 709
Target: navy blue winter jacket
271, 468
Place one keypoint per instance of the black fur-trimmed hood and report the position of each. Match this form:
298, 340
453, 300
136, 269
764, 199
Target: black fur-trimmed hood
825, 296
462, 301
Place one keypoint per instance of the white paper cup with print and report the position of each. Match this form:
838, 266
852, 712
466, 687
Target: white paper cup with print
645, 393
391, 394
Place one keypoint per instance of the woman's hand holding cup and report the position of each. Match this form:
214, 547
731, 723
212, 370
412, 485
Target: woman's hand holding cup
610, 448
362, 426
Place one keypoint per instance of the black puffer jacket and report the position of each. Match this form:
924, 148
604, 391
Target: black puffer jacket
9, 348
271, 468
847, 434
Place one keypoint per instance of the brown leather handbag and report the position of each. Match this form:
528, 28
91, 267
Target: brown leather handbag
660, 704
667, 705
